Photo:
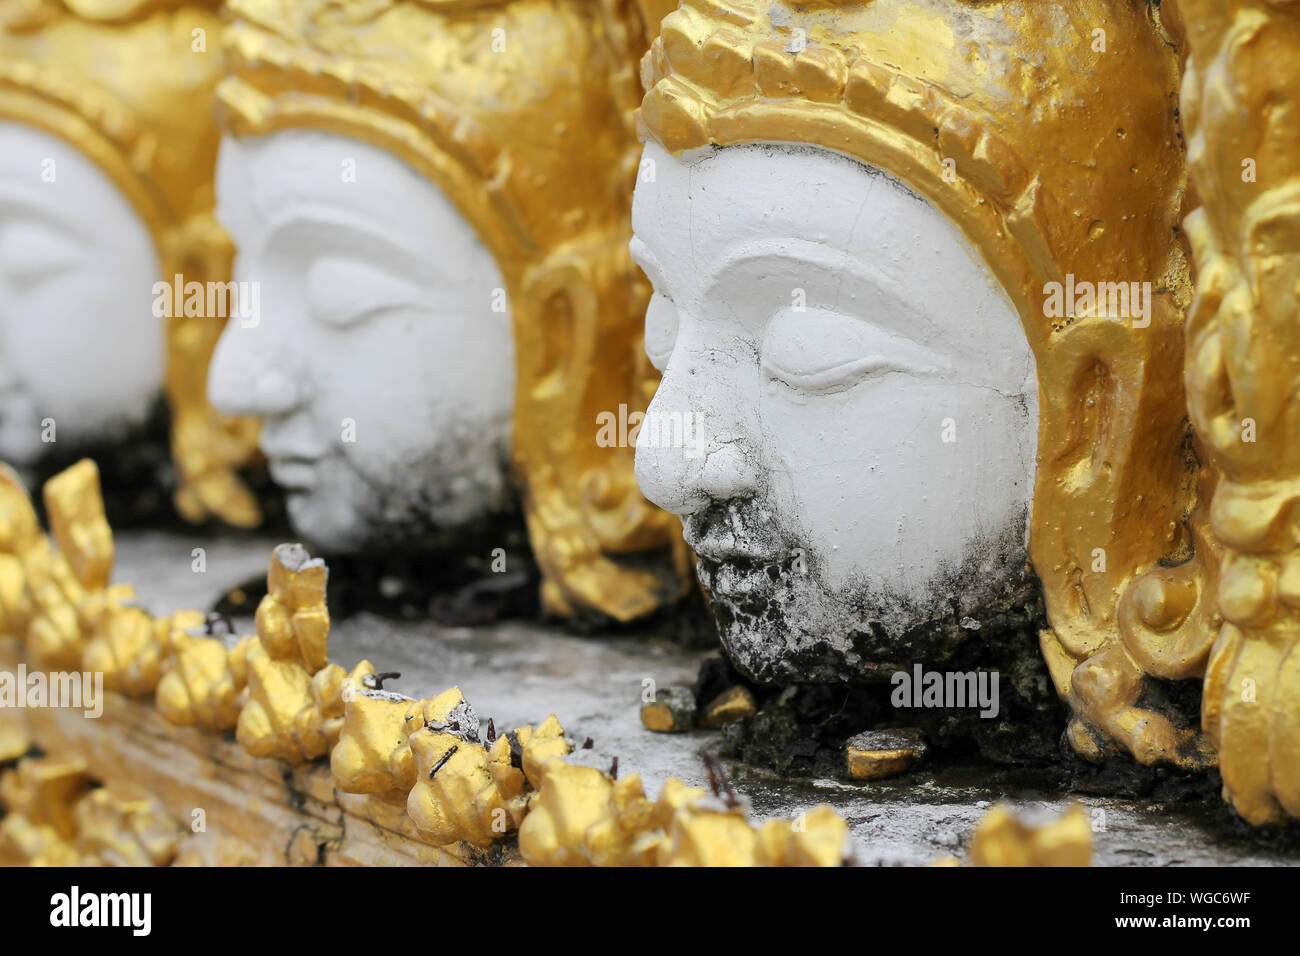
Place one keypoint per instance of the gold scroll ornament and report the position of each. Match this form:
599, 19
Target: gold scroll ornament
1067, 162
56, 816
127, 82
1240, 99
481, 797
521, 112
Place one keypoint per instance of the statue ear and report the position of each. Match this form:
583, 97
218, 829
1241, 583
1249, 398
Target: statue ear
1088, 428
1118, 537
1116, 478
575, 320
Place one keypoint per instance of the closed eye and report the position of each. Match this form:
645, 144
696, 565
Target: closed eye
836, 379
31, 252
343, 292
821, 351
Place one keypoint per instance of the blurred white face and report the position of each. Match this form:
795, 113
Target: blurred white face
81, 353
867, 400
382, 361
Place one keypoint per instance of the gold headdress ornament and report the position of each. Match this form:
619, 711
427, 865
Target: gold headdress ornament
522, 113
1243, 381
128, 83
1059, 123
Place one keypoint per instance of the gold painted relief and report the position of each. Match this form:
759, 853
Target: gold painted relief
472, 795
1243, 382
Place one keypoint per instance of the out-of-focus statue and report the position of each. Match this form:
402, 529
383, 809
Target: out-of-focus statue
113, 271
434, 200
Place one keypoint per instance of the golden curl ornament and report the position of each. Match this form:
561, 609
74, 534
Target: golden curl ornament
1243, 381
127, 83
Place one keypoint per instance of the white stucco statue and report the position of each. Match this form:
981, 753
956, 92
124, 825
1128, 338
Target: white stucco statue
382, 364
112, 268
867, 399
437, 220
81, 353
930, 314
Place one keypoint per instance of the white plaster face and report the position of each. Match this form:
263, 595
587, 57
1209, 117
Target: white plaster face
868, 403
382, 375
80, 347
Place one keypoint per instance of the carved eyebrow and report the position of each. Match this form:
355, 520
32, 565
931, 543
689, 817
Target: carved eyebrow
66, 224
850, 272
397, 255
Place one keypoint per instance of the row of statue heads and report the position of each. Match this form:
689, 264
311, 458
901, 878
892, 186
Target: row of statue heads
901, 287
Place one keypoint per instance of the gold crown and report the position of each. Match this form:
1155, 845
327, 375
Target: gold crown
1047, 133
522, 113
127, 83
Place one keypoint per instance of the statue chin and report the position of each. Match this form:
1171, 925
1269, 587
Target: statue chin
382, 361
81, 353
353, 506
864, 404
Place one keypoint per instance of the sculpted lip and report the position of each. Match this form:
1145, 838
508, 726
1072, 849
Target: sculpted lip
736, 579
732, 569
720, 537
293, 474
730, 552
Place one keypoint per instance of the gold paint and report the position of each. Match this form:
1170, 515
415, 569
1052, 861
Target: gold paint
56, 816
117, 79
14, 738
78, 525
25, 843
204, 685
60, 604
672, 711
456, 789
733, 704
295, 706
132, 649
540, 746
124, 828
456, 797
21, 543
1044, 188
877, 764
40, 797
373, 754
51, 599
534, 144
583, 817
464, 803
1002, 840
1243, 372
214, 849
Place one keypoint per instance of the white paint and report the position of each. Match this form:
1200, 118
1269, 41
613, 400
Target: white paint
383, 377
824, 426
78, 340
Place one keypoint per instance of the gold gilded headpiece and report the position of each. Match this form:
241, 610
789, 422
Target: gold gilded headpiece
1047, 133
128, 83
521, 112
1243, 381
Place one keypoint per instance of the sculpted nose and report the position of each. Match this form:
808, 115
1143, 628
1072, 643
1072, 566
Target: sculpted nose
688, 459
246, 377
